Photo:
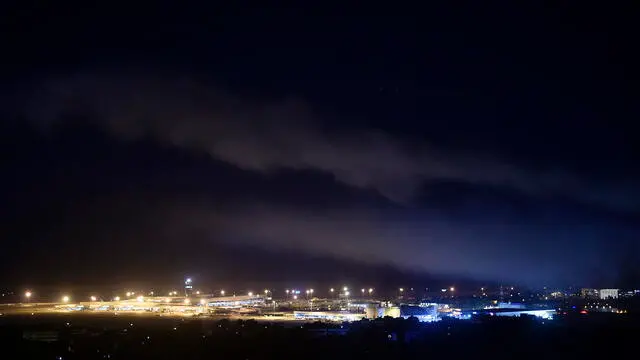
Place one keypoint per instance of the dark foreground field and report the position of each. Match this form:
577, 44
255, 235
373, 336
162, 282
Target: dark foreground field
79, 336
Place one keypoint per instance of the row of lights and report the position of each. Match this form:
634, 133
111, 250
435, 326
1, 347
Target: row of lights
222, 293
140, 298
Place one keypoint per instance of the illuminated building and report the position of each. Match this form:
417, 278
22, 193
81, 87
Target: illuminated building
588, 293
608, 294
327, 315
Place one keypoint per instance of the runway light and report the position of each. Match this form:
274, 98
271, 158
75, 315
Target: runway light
93, 298
65, 298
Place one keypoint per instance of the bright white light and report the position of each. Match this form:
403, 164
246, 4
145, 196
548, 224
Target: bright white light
452, 289
331, 290
140, 298
93, 298
346, 293
250, 293
345, 288
27, 294
117, 298
198, 292
65, 298
362, 290
287, 291
266, 291
370, 290
188, 281
187, 301
222, 292
167, 300
295, 297
202, 302
307, 292
401, 289
128, 293
311, 291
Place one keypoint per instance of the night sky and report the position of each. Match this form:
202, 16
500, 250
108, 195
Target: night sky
307, 145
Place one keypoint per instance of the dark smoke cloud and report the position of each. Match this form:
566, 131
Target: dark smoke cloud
264, 136
441, 245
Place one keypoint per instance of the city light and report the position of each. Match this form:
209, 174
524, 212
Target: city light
27, 294
65, 299
266, 291
370, 290
128, 293
198, 292
222, 292
250, 293
331, 290
451, 288
167, 300
117, 298
362, 290
311, 291
202, 302
295, 297
187, 301
93, 298
346, 293
140, 298
345, 289
401, 289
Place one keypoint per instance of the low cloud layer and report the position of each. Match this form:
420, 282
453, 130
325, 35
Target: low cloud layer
266, 135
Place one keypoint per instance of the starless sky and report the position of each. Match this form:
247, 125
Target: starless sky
488, 143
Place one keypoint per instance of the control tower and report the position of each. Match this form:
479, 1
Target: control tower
188, 287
